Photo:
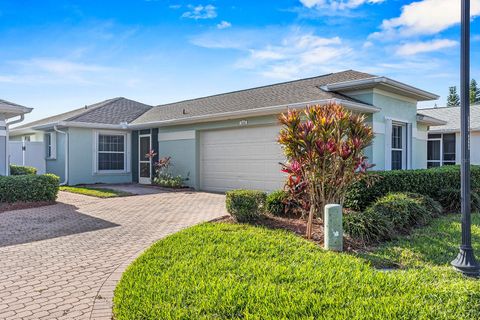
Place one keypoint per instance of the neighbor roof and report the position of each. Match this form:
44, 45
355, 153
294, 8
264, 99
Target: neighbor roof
292, 92
451, 115
113, 111
11, 109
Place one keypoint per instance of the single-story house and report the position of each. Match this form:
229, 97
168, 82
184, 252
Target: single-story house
8, 110
444, 140
228, 140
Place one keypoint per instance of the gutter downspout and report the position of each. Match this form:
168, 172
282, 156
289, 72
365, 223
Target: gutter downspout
66, 154
7, 137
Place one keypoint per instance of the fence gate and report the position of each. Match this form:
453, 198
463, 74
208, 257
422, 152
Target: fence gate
28, 153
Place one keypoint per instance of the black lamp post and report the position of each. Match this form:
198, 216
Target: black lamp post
465, 262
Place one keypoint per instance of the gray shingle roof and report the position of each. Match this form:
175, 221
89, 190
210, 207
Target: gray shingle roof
452, 116
297, 91
112, 111
5, 103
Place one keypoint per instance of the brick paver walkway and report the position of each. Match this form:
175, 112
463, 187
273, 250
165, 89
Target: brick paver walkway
63, 261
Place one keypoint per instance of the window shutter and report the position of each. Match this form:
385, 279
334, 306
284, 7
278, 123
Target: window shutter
53, 142
128, 152
409, 145
388, 144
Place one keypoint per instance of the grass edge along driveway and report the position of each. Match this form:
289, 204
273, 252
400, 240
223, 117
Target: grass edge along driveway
95, 192
228, 271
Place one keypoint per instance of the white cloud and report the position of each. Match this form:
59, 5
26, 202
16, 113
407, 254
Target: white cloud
296, 55
224, 25
412, 48
52, 70
337, 4
201, 12
425, 17
61, 67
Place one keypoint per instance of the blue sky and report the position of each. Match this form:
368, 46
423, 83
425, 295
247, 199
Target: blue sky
58, 55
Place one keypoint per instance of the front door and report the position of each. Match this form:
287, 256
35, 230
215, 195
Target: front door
145, 169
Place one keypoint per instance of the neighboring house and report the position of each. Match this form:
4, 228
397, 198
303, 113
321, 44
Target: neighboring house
444, 141
228, 140
8, 110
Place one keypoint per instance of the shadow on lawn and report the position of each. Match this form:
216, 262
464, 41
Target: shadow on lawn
24, 226
436, 244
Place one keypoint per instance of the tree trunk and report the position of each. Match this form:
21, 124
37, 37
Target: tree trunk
310, 222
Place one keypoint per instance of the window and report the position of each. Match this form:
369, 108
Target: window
111, 155
398, 147
48, 142
50, 145
449, 149
441, 150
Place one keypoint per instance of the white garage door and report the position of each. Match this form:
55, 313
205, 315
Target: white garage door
241, 158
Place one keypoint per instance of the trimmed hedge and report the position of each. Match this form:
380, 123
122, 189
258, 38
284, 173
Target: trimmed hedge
22, 170
451, 200
428, 182
276, 203
29, 188
246, 205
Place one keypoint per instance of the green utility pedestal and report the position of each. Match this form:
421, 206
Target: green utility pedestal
333, 228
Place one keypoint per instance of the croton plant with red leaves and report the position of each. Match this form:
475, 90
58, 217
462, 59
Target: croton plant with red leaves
324, 146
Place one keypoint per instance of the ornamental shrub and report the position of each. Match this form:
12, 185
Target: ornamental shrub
246, 205
276, 203
324, 145
450, 199
22, 170
403, 211
428, 182
368, 227
29, 188
434, 208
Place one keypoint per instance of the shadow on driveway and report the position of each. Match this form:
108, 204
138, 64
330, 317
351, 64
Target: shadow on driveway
24, 226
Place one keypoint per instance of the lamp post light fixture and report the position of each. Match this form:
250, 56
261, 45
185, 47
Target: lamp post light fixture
465, 262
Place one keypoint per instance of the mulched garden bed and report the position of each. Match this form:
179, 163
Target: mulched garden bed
24, 205
299, 227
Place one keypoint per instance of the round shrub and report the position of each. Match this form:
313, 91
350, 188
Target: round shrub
22, 170
29, 188
450, 199
368, 226
403, 211
246, 205
275, 203
433, 207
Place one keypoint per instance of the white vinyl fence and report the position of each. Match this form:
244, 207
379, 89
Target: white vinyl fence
28, 153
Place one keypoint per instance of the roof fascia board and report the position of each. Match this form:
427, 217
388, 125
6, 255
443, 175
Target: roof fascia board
74, 124
372, 82
353, 106
431, 121
14, 111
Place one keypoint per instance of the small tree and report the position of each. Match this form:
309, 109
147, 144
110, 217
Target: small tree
453, 99
328, 148
474, 92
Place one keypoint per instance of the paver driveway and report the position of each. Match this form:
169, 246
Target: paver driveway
63, 261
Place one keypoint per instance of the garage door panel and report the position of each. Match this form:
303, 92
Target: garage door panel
241, 158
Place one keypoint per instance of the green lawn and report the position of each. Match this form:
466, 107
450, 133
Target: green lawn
96, 192
433, 246
228, 271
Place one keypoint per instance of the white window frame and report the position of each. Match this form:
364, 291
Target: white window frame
50, 145
441, 161
126, 151
404, 143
